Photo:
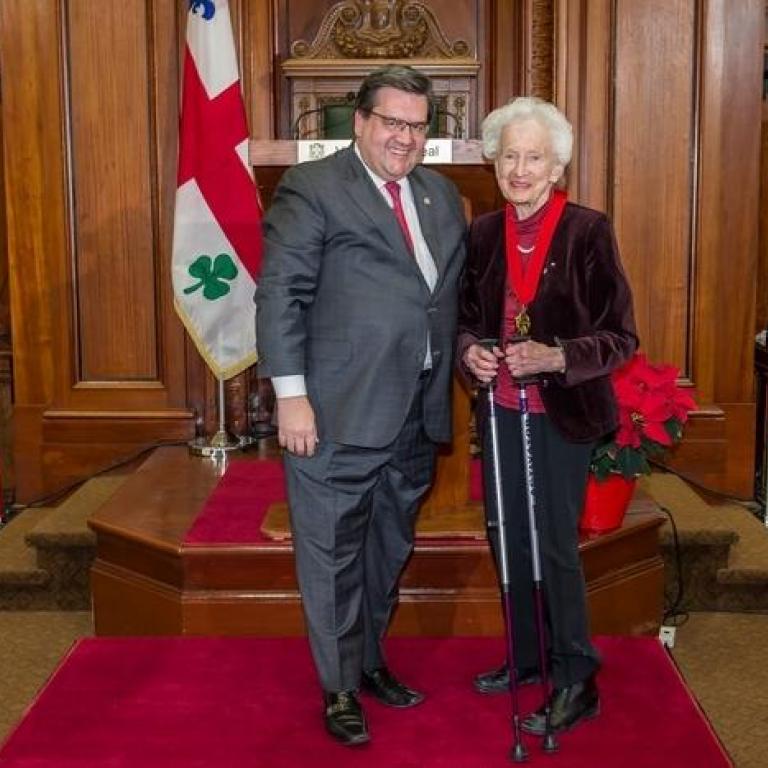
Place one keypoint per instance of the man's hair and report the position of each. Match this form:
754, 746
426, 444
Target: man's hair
393, 76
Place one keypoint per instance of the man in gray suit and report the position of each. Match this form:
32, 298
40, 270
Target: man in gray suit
356, 318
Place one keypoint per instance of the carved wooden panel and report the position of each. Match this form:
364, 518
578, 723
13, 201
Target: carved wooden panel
326, 49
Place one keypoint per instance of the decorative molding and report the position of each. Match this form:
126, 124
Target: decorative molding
542, 44
380, 29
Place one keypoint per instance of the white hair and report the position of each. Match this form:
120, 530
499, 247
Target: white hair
529, 108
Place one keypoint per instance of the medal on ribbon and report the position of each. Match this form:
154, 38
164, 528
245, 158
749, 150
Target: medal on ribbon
524, 281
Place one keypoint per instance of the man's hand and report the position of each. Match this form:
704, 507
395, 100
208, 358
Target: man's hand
296, 430
528, 358
483, 363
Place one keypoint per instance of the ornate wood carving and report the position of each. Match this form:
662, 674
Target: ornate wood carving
380, 29
542, 56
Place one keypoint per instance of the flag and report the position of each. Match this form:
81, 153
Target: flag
217, 223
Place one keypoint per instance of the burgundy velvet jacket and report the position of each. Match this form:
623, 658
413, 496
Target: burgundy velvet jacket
583, 304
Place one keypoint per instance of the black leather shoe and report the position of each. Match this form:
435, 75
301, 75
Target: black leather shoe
568, 707
344, 718
381, 684
497, 680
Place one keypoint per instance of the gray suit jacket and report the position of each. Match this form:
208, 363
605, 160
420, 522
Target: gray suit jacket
342, 301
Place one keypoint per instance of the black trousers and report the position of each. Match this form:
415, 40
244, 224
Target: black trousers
560, 476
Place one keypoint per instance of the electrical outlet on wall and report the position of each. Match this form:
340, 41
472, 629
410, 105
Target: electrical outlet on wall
667, 636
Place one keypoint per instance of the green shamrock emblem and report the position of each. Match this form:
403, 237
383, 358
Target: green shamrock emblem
212, 277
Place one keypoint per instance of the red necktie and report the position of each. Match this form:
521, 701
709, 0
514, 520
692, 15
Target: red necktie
394, 192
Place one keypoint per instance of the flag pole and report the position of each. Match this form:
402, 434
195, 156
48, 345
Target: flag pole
222, 442
217, 244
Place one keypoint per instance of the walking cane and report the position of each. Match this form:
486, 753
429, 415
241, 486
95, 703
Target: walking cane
549, 744
519, 753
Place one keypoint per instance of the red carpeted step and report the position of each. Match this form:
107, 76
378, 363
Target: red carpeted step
234, 512
240, 702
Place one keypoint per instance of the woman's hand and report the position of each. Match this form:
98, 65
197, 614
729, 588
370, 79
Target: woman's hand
527, 358
482, 362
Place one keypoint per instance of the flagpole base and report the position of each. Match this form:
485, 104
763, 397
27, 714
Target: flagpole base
221, 444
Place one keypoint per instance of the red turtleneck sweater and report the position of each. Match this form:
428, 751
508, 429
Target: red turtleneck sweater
507, 392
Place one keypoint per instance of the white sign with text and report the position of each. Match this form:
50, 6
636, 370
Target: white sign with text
435, 151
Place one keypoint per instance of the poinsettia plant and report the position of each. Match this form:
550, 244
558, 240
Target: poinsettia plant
652, 411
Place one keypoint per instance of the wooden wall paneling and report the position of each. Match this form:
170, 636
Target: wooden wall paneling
6, 352
584, 92
258, 67
92, 100
667, 130
114, 288
505, 52
652, 186
729, 124
164, 75
35, 207
520, 53
122, 240
761, 315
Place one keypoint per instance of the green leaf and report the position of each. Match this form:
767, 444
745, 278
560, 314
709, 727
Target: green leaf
211, 275
215, 289
201, 267
224, 268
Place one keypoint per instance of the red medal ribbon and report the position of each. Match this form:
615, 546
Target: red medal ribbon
525, 282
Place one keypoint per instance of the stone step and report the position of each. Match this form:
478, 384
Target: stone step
46, 553
23, 585
49, 551
724, 549
18, 561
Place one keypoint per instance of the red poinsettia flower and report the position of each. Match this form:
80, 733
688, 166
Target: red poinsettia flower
652, 411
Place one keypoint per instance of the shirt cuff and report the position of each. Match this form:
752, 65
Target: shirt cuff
289, 386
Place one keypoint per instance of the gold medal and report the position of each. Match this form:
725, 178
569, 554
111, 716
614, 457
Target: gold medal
523, 322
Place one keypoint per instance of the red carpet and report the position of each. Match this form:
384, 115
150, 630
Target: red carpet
242, 702
234, 512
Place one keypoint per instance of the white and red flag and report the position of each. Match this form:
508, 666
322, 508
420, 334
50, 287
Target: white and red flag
217, 224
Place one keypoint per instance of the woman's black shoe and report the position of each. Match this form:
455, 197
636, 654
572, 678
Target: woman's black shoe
497, 680
568, 707
344, 718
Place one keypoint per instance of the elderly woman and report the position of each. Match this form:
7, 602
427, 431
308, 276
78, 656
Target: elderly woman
547, 271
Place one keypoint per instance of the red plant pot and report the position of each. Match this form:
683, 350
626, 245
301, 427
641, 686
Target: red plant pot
605, 503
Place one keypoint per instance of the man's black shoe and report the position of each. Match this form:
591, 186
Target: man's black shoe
344, 718
568, 707
381, 684
497, 680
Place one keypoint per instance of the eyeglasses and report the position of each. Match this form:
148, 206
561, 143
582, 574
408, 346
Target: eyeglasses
396, 124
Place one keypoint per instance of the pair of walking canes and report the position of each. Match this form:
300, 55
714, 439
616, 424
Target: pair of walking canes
519, 754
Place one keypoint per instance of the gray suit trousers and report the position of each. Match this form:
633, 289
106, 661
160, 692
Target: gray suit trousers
353, 512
